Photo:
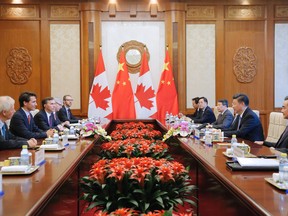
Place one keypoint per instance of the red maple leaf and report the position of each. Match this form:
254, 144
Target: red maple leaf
100, 96
144, 96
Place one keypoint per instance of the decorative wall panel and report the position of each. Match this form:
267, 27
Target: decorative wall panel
245, 12
281, 11
16, 11
200, 62
152, 34
59, 11
204, 12
281, 63
65, 61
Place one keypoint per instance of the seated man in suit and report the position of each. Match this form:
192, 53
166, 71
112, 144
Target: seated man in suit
282, 142
225, 117
45, 118
247, 125
7, 139
22, 123
65, 113
206, 113
195, 104
58, 106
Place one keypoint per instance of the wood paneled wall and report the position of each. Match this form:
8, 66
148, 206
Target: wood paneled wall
238, 25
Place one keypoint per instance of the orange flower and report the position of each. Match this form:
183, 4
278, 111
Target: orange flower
178, 168
155, 213
139, 174
123, 212
117, 172
165, 174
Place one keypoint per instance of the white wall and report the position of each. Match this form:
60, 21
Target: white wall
200, 62
281, 63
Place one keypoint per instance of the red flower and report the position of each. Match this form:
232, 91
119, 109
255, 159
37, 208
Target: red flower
165, 173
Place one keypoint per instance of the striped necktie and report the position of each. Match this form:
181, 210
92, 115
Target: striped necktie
3, 131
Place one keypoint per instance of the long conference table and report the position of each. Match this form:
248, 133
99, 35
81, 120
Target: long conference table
220, 190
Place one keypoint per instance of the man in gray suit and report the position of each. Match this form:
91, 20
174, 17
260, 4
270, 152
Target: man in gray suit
225, 117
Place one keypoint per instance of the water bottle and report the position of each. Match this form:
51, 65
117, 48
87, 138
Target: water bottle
24, 156
282, 163
72, 131
55, 138
233, 141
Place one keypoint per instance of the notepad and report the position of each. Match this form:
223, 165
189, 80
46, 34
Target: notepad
49, 146
18, 168
258, 162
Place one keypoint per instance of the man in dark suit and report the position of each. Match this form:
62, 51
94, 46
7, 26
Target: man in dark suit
7, 139
22, 123
65, 113
195, 104
45, 118
282, 142
247, 125
206, 113
225, 117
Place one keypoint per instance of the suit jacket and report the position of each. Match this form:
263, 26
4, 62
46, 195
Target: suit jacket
10, 141
281, 143
62, 115
206, 117
19, 126
223, 121
250, 127
195, 115
42, 121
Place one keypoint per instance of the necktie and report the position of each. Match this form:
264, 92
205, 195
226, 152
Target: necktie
3, 130
68, 113
29, 119
50, 119
239, 122
235, 122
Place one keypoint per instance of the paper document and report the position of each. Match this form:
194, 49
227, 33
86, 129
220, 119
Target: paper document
258, 162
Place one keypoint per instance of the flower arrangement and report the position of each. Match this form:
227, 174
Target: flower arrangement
134, 125
181, 128
135, 133
132, 147
91, 129
143, 184
131, 212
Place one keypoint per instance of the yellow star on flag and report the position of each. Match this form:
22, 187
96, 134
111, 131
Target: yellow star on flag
124, 83
168, 83
165, 67
120, 67
118, 82
162, 81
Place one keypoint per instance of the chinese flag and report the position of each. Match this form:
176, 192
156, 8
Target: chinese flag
123, 97
167, 99
100, 96
145, 97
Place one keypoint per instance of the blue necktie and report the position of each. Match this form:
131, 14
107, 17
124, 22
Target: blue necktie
3, 130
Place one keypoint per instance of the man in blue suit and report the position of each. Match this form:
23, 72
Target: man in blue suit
225, 117
247, 125
22, 123
206, 113
45, 119
7, 139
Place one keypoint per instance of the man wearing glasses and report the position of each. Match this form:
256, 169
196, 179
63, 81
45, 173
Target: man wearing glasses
65, 113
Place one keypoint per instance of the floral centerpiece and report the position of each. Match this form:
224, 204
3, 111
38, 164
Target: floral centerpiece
135, 133
143, 184
181, 128
90, 129
132, 147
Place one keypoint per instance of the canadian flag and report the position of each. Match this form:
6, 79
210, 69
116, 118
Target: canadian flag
145, 97
100, 96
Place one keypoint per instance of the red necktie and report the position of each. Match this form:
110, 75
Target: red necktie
29, 119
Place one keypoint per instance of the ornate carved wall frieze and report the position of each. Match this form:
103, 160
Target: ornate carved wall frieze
245, 67
245, 12
18, 11
58, 11
19, 65
281, 11
204, 12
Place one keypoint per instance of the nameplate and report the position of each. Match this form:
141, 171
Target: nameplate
40, 157
197, 134
237, 152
